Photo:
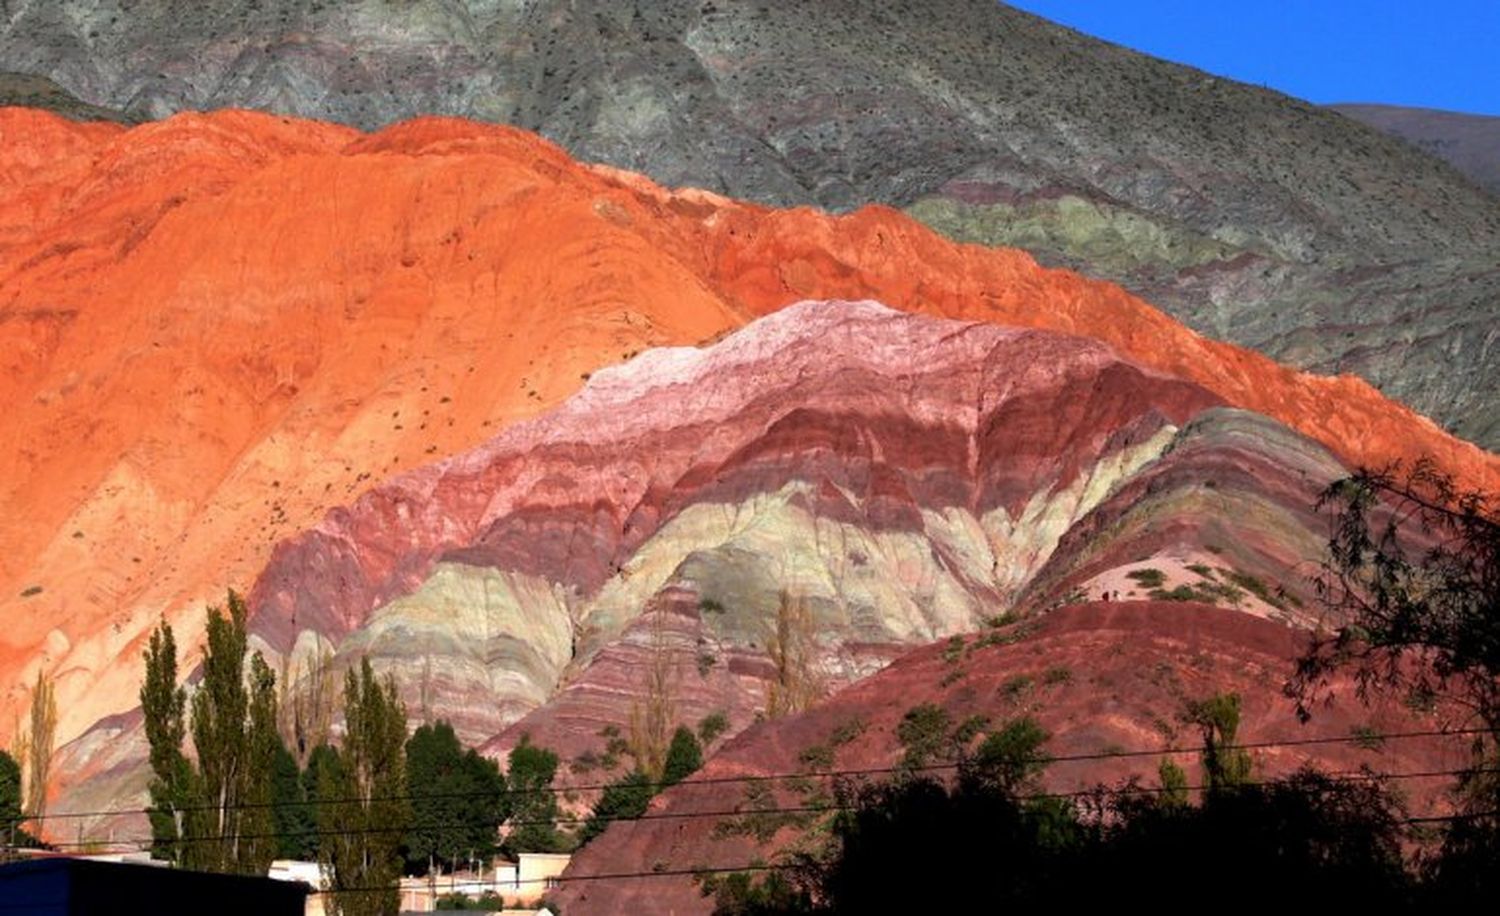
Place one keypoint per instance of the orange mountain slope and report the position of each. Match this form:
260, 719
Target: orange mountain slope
216, 326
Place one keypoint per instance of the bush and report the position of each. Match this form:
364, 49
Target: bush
684, 757
489, 903
847, 732
624, 799
923, 732
1148, 577
713, 725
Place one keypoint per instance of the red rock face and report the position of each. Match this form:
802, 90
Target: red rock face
886, 416
1120, 674
1235, 495
1225, 516
218, 326
907, 477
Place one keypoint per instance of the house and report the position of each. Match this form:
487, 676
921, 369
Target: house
531, 876
65, 886
308, 874
522, 882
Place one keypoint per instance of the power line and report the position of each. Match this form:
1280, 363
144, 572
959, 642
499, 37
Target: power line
1098, 791
748, 867
1365, 738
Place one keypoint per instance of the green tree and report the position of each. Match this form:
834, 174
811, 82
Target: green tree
220, 706
320, 758
293, 816
458, 800
1012, 758
11, 818
534, 812
363, 811
257, 820
217, 815
172, 788
684, 757
1174, 784
234, 733
624, 799
1225, 766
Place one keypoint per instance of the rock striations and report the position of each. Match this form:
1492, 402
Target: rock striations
218, 326
904, 477
900, 478
1252, 216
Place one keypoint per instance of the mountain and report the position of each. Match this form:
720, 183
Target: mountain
900, 478
1105, 680
1200, 496
1249, 215
220, 326
1468, 142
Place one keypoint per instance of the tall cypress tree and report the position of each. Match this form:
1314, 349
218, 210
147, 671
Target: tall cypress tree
163, 702
363, 811
216, 816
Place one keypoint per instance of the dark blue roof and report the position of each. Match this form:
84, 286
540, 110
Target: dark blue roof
74, 887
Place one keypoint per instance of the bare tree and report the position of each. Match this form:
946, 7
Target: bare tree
307, 703
39, 740
652, 716
1412, 584
792, 644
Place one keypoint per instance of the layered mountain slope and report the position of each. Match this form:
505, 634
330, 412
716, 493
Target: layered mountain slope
1252, 216
1469, 142
217, 326
1103, 679
903, 477
1224, 515
894, 478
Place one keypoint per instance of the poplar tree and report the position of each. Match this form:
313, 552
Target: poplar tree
363, 809
163, 702
215, 816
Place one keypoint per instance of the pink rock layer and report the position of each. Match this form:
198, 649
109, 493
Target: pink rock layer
217, 326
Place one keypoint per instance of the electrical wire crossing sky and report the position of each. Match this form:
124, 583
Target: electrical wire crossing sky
1441, 54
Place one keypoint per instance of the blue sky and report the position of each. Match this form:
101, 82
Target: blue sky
1433, 54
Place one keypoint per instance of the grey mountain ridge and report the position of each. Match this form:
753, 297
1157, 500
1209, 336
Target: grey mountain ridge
1249, 215
1468, 142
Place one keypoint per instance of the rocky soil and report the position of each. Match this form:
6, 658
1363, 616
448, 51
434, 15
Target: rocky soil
1249, 215
220, 326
